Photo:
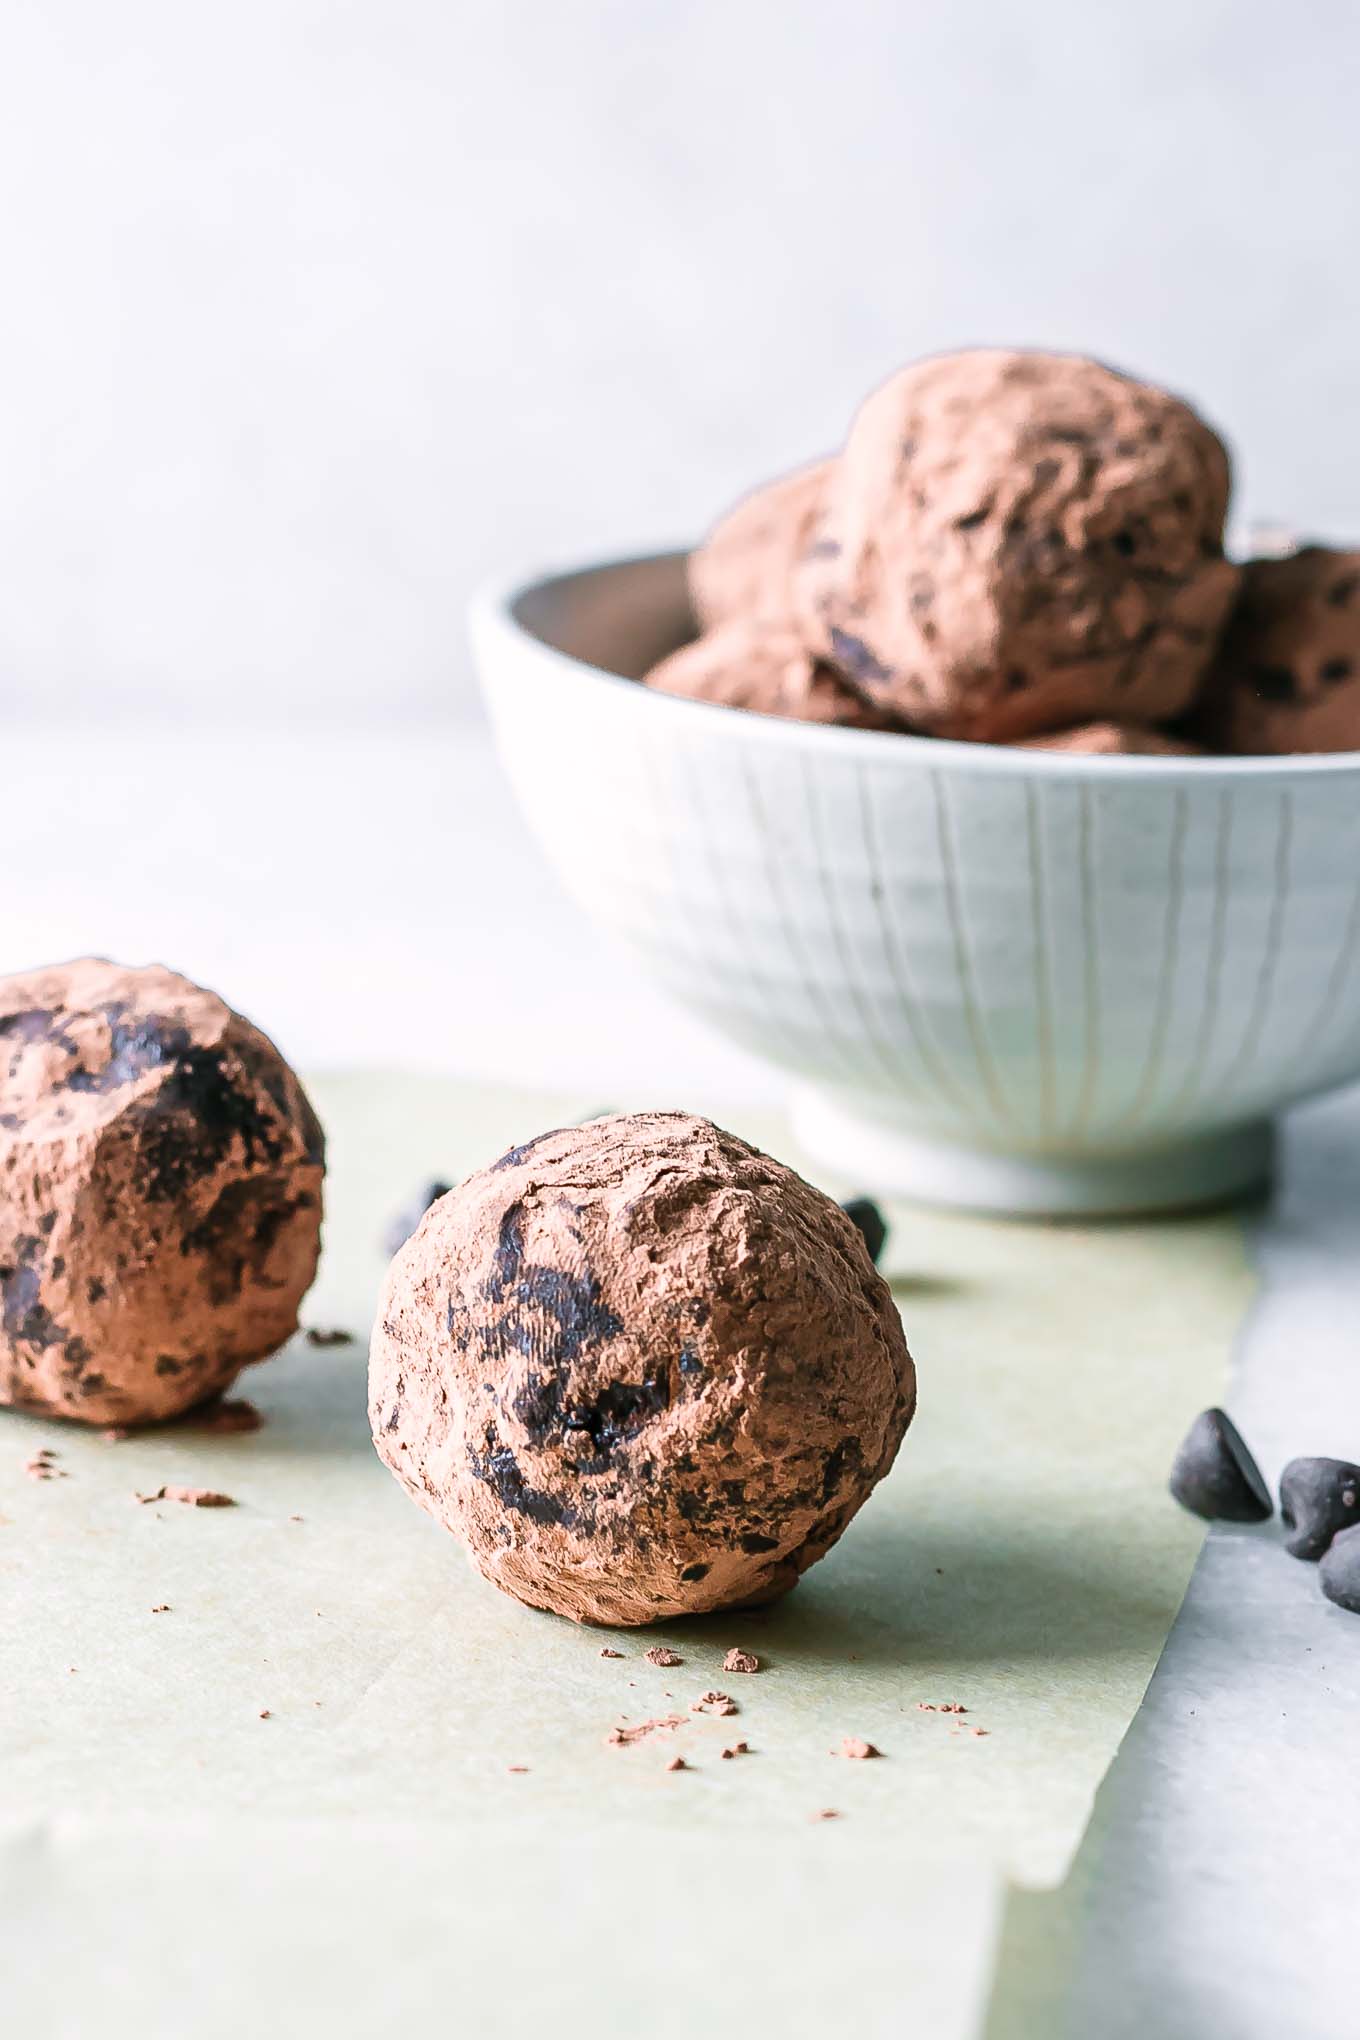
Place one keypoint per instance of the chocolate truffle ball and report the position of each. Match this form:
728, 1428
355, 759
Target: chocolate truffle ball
1112, 740
641, 1369
1015, 543
1287, 676
744, 566
765, 668
160, 1193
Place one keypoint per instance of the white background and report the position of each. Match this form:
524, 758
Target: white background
317, 312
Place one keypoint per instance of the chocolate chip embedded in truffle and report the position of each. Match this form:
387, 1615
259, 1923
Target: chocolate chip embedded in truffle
1339, 1571
529, 1385
161, 1214
405, 1223
1216, 1477
767, 669
869, 1223
1319, 1498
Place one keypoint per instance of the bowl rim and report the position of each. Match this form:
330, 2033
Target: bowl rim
493, 612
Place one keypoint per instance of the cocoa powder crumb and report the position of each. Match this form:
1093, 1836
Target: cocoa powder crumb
327, 1335
264, 1714
741, 1661
161, 1608
195, 1497
714, 1703
659, 1654
825, 1813
42, 1465
677, 1764
855, 1747
626, 1734
737, 1749
607, 1652
518, 1770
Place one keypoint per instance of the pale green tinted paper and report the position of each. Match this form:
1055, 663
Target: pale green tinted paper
1022, 1560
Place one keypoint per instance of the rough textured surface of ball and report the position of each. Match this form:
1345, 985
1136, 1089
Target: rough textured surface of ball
1287, 675
160, 1193
745, 566
641, 1369
1112, 740
765, 668
1018, 542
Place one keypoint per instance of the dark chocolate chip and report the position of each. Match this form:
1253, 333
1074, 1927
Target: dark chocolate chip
856, 659
401, 1228
869, 1222
1319, 1498
1215, 1476
1273, 683
1339, 1572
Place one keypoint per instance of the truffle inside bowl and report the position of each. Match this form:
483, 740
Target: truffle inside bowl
1008, 979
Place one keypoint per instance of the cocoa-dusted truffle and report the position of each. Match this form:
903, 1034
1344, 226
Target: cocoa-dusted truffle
744, 566
160, 1193
1112, 740
765, 668
1014, 543
640, 1368
1287, 676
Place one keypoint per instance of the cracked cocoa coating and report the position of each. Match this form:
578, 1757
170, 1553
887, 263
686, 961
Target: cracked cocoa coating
641, 1369
1015, 543
1112, 740
744, 566
1287, 675
160, 1193
765, 668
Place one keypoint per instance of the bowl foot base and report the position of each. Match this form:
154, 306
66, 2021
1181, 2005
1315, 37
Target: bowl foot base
874, 1155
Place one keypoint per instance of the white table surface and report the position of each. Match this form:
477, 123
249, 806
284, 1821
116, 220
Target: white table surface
374, 899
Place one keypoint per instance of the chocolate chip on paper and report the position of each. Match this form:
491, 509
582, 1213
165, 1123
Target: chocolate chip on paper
870, 1223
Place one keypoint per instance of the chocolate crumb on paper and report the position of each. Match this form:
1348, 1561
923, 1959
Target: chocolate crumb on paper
517, 1770
741, 1661
161, 1608
825, 1813
624, 1734
42, 1466
265, 1714
607, 1652
737, 1749
327, 1335
195, 1497
677, 1764
659, 1654
714, 1703
856, 1749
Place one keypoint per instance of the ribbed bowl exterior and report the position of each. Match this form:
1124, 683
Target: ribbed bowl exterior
1021, 952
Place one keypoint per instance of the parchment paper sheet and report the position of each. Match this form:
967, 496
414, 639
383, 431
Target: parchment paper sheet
1022, 1560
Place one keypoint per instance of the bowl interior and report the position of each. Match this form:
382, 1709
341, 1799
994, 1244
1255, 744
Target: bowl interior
621, 618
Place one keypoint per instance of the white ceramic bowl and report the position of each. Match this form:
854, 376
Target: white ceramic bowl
1006, 979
